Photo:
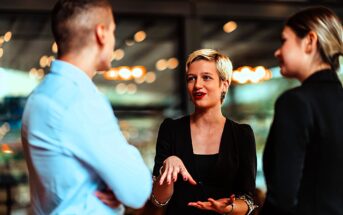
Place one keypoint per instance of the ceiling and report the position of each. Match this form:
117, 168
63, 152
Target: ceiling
259, 24
173, 28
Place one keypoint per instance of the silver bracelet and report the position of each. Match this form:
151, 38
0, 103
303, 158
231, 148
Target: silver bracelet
249, 202
153, 198
156, 202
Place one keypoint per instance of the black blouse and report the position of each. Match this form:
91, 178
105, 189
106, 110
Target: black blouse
233, 172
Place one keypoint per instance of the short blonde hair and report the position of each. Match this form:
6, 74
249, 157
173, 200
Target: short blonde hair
328, 28
223, 63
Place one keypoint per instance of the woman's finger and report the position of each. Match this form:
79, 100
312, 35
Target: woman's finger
163, 176
191, 180
105, 195
206, 205
107, 198
169, 175
215, 203
175, 173
187, 177
220, 205
112, 204
200, 205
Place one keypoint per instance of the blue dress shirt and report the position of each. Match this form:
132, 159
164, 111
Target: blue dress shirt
73, 147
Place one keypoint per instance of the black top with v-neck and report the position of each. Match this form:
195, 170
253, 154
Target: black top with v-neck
233, 172
204, 165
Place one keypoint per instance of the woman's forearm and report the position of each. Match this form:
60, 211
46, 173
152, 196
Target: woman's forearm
162, 193
240, 207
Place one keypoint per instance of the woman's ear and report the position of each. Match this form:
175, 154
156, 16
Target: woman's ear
225, 86
311, 42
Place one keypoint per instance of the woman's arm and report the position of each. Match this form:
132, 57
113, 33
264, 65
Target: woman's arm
163, 187
223, 206
167, 166
246, 176
161, 193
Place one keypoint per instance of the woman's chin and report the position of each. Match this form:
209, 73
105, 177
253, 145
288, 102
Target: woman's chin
284, 72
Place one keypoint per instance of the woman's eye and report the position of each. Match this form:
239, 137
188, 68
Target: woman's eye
207, 77
190, 79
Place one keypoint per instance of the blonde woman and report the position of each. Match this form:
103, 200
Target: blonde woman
205, 158
303, 155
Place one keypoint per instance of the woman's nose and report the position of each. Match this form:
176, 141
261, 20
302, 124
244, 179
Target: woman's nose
277, 53
198, 83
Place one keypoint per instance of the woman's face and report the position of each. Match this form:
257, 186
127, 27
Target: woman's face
291, 53
203, 84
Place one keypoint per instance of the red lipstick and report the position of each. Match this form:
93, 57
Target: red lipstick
198, 95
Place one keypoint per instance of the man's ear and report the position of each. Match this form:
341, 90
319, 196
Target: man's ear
311, 42
100, 34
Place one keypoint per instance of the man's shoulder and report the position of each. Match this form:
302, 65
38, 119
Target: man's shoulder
58, 92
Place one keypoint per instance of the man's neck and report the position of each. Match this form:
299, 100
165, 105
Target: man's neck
84, 62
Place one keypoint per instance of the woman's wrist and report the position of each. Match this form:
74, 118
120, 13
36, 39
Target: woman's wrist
250, 203
231, 210
166, 190
158, 203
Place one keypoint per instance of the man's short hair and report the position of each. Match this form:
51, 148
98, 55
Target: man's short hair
73, 21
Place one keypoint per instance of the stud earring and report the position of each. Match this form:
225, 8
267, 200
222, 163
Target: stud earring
222, 95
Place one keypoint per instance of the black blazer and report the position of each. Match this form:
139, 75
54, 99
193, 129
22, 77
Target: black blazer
303, 157
234, 172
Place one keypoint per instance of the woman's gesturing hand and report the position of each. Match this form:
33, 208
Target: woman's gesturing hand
172, 166
224, 205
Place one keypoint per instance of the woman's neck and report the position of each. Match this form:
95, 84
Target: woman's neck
316, 65
207, 116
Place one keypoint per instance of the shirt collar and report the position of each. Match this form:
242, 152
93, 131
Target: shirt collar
326, 75
71, 72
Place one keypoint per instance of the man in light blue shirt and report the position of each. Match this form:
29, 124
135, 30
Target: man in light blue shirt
72, 142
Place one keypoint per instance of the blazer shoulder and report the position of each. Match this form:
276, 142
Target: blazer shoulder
243, 133
178, 123
296, 97
241, 127
297, 93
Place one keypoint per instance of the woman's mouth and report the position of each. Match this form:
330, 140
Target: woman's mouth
198, 95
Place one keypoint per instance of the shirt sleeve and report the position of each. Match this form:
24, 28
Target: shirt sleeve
285, 151
245, 183
163, 145
91, 133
